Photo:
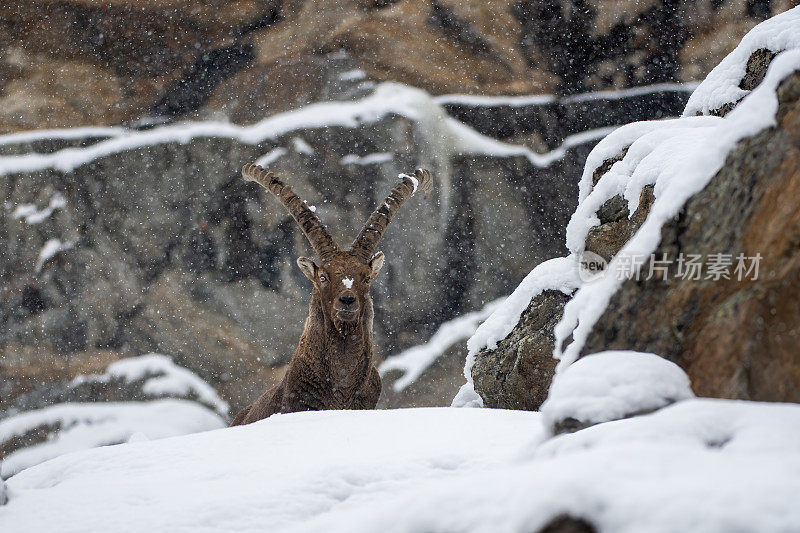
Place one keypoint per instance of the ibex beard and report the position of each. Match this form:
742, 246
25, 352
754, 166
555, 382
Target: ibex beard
333, 365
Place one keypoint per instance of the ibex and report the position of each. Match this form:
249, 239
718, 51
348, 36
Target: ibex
332, 367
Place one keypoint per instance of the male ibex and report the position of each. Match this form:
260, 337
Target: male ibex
332, 367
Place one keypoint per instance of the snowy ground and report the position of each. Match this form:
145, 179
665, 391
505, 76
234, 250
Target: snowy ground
699, 465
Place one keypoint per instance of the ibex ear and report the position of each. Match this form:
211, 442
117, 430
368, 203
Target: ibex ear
375, 264
308, 267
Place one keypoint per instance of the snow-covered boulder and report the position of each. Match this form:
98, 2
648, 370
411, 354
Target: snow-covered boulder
141, 397
155, 376
33, 437
612, 385
147, 377
509, 361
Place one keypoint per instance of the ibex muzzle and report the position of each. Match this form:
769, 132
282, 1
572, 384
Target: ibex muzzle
332, 367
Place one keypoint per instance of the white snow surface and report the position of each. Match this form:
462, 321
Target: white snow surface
413, 361
721, 86
88, 425
698, 465
614, 384
348, 283
679, 159
166, 379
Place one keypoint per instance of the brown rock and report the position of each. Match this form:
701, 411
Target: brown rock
735, 338
78, 62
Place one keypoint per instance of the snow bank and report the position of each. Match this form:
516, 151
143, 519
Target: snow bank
699, 465
80, 426
415, 360
613, 385
679, 159
269, 476
162, 378
721, 86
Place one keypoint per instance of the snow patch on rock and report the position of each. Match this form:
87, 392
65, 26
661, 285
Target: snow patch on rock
32, 215
50, 249
560, 274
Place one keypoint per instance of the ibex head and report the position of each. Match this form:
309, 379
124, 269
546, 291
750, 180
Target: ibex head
342, 277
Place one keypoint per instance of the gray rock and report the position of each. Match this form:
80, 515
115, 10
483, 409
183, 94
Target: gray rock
517, 374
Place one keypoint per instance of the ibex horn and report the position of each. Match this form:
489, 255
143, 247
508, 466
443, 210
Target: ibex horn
367, 241
312, 227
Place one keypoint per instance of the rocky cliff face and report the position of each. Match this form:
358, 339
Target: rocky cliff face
735, 337
75, 62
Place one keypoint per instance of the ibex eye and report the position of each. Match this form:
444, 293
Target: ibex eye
323, 278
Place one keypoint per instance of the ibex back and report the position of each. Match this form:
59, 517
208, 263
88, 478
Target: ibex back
332, 367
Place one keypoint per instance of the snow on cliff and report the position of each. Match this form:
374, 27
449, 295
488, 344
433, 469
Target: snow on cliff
698, 465
678, 157
448, 134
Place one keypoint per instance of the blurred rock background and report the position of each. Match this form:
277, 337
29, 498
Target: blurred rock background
163, 248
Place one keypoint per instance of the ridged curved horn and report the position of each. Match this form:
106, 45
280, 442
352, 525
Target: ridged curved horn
367, 241
312, 227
